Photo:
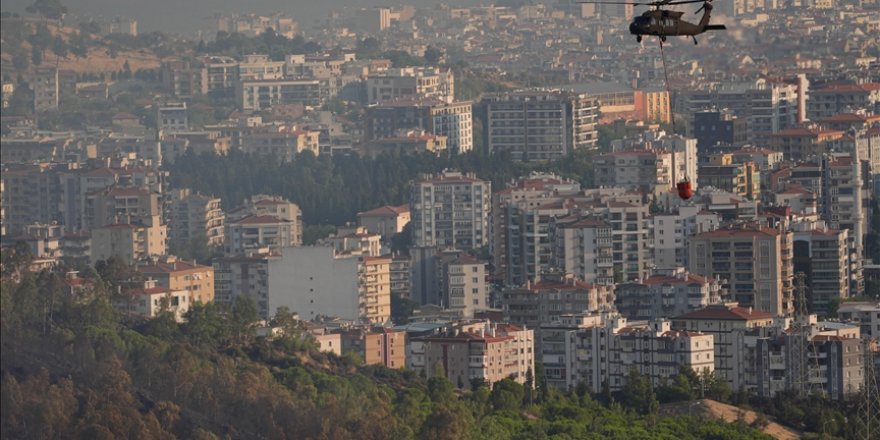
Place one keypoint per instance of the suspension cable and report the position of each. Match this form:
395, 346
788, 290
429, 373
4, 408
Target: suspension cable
666, 76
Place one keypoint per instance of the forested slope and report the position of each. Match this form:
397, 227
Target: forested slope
73, 368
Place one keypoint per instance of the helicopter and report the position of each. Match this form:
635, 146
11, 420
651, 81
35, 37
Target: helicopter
664, 23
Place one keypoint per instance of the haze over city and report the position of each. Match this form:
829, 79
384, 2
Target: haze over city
521, 220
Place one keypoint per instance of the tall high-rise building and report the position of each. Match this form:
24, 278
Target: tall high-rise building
450, 209
540, 125
195, 216
755, 263
521, 218
453, 120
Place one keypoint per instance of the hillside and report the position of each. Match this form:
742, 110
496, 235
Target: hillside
72, 367
80, 52
710, 409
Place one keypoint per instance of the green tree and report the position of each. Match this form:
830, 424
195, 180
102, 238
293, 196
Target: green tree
402, 308
507, 395
433, 55
59, 47
52, 9
638, 394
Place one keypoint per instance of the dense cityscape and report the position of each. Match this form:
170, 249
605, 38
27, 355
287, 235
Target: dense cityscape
499, 221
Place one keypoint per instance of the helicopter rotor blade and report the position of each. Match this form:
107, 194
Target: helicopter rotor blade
684, 2
620, 3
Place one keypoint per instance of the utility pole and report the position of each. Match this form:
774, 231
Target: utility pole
868, 424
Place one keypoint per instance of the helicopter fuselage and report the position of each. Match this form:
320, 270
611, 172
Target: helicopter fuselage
663, 23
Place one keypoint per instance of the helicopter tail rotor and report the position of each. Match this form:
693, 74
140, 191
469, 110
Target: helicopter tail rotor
706, 5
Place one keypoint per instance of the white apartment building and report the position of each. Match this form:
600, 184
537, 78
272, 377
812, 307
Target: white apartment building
673, 232
314, 281
450, 210
597, 350
755, 264
665, 294
411, 83
540, 125
194, 215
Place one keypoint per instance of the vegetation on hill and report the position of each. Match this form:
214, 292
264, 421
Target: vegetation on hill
332, 190
72, 367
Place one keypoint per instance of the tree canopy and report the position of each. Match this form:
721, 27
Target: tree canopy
71, 366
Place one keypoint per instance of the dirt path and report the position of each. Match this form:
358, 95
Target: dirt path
721, 411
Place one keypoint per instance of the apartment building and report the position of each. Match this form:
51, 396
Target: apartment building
822, 256
407, 143
602, 350
244, 276
195, 216
754, 263
767, 106
411, 83
666, 294
122, 205
764, 158
540, 125
713, 127
864, 314
520, 225
376, 345
387, 221
726, 323
833, 356
804, 143
646, 170
175, 274
151, 300
31, 194
551, 296
631, 240
314, 282
835, 99
260, 67
481, 351
741, 179
254, 232
400, 275
129, 242
172, 117
435, 116
281, 143
450, 209
463, 285
841, 196
584, 249
184, 79
287, 220
46, 87
262, 94
354, 241
673, 232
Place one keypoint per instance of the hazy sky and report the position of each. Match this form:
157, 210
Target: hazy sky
188, 15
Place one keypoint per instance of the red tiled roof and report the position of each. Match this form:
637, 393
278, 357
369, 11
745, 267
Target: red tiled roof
177, 266
725, 313
803, 132
680, 334
260, 220
739, 232
547, 285
386, 210
665, 279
